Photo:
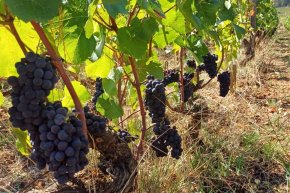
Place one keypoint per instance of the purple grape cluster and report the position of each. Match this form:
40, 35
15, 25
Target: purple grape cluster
209, 65
165, 134
99, 91
155, 99
63, 146
225, 81
37, 78
189, 87
170, 76
96, 124
191, 64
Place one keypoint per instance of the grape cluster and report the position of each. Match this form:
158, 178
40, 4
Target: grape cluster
155, 99
125, 136
170, 76
225, 81
36, 78
63, 147
99, 91
166, 136
189, 87
191, 64
209, 65
96, 124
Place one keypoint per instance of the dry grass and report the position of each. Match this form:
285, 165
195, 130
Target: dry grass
243, 145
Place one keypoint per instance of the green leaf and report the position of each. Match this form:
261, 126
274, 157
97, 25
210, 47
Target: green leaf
81, 91
150, 67
97, 53
109, 86
109, 108
165, 37
239, 31
89, 28
185, 8
153, 8
133, 40
22, 141
197, 46
116, 74
77, 48
2, 7
40, 10
128, 41
114, 7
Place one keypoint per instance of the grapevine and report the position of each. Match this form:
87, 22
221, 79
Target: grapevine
112, 52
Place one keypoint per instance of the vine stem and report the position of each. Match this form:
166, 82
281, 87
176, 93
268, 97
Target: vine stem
12, 27
59, 66
141, 105
181, 53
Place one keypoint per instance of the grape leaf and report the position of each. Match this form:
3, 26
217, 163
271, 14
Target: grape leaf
101, 67
109, 86
40, 10
115, 7
8, 59
139, 33
81, 91
239, 31
55, 95
22, 141
109, 108
153, 8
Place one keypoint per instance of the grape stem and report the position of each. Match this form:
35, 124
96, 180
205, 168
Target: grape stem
141, 104
9, 20
132, 14
59, 66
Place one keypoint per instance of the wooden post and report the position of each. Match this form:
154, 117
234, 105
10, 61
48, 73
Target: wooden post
233, 78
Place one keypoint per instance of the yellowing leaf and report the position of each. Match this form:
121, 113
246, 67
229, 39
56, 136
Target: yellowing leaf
81, 91
1, 99
10, 55
101, 67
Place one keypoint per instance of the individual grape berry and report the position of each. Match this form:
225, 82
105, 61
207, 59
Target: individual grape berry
225, 81
210, 65
13, 81
59, 119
